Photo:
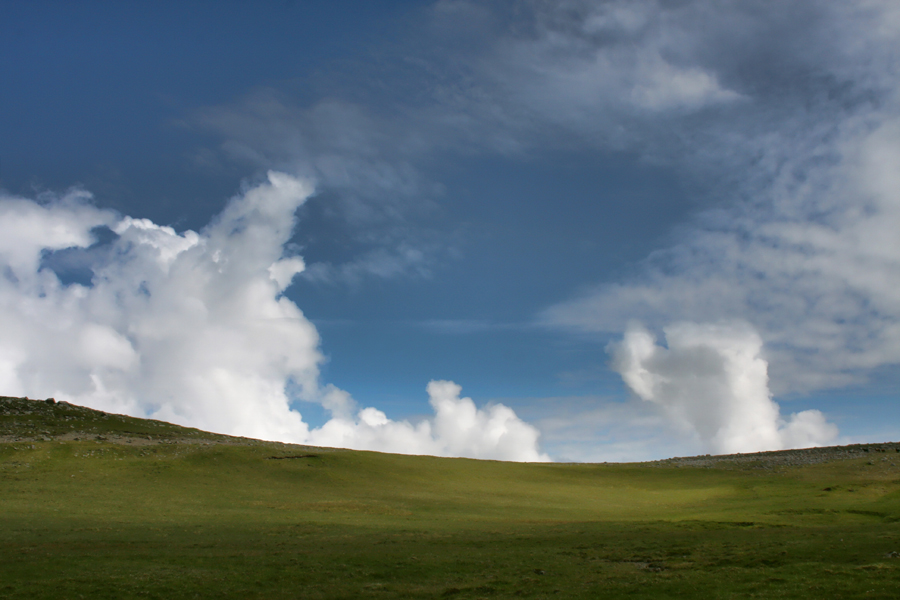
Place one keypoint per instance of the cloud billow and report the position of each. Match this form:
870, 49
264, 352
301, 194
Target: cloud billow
712, 381
458, 428
194, 328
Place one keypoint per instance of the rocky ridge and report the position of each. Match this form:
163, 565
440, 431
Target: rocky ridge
885, 452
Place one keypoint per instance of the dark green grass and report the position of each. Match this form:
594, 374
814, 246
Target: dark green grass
111, 519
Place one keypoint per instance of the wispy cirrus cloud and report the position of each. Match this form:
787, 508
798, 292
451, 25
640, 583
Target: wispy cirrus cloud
803, 244
376, 203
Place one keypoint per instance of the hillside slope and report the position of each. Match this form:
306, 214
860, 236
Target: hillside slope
99, 505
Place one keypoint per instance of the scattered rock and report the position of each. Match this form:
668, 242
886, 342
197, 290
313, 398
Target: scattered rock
769, 461
292, 456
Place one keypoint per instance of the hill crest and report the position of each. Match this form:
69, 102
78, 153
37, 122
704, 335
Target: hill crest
35, 420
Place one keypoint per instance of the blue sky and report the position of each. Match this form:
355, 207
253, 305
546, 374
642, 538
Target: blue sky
643, 228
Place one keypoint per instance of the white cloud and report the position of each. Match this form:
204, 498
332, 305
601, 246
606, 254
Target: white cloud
572, 80
458, 428
185, 327
68, 223
712, 380
283, 271
193, 328
619, 75
664, 86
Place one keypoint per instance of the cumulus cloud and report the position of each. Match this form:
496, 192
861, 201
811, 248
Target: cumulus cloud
187, 327
713, 381
458, 428
194, 328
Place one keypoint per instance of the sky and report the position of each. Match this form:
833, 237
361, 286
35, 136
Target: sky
545, 230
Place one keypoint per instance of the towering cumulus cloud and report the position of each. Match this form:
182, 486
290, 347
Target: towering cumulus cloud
124, 315
713, 382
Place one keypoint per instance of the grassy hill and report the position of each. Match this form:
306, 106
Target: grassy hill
94, 505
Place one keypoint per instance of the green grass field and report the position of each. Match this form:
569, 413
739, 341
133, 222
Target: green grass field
92, 508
